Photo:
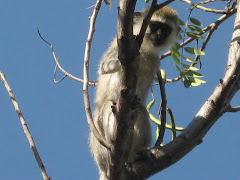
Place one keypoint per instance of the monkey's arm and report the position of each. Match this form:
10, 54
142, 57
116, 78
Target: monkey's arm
109, 66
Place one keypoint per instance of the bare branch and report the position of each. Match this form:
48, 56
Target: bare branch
86, 77
170, 80
92, 83
25, 127
174, 80
204, 8
54, 75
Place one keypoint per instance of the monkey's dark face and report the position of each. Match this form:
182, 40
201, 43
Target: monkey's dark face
159, 32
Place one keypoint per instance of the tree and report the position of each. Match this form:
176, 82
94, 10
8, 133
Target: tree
216, 106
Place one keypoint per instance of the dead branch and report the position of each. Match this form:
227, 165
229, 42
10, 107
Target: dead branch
92, 83
204, 8
25, 127
86, 77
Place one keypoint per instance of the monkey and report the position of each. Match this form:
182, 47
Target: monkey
160, 34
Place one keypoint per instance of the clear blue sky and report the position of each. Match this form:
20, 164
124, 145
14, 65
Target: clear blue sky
55, 112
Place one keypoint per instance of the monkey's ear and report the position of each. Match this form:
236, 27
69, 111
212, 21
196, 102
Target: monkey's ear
136, 17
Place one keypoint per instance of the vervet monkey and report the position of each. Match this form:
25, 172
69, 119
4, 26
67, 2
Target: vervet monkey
161, 33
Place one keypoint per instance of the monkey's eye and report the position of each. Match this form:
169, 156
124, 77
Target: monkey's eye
155, 25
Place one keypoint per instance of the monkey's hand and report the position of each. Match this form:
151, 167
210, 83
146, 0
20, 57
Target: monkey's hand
109, 66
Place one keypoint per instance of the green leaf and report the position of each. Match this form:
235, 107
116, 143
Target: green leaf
195, 28
190, 67
146, 1
189, 60
174, 49
187, 83
195, 51
181, 22
175, 58
179, 37
197, 82
178, 68
193, 68
194, 74
175, 46
183, 73
198, 52
196, 21
194, 81
176, 53
194, 35
189, 50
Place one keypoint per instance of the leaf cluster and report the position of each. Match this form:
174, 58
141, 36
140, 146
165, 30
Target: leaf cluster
184, 63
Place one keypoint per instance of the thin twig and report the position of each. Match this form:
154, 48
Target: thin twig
170, 80
204, 8
209, 1
163, 109
206, 29
54, 75
86, 77
233, 109
25, 127
213, 28
92, 83
174, 79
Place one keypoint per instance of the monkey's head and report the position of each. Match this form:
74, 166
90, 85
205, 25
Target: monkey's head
162, 30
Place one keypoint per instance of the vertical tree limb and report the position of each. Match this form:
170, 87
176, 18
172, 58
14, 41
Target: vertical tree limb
127, 54
86, 77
